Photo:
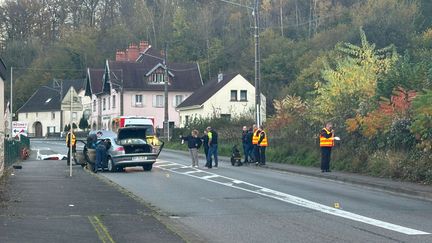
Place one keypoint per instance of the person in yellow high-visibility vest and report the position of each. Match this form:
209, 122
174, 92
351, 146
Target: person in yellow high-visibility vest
71, 144
262, 145
255, 138
326, 144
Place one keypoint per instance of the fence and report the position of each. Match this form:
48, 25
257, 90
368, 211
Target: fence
13, 149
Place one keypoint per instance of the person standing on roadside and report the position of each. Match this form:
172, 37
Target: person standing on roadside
326, 143
205, 142
250, 151
262, 145
71, 144
245, 144
194, 143
213, 146
255, 138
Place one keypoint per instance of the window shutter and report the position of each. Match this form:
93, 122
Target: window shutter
133, 100
154, 100
174, 101
143, 100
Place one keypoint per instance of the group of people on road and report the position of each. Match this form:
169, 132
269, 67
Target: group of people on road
255, 142
210, 143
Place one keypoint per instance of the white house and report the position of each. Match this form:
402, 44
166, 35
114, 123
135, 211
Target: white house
2, 121
43, 110
229, 96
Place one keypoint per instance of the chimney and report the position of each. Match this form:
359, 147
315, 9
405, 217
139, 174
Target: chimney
132, 53
120, 56
143, 45
220, 76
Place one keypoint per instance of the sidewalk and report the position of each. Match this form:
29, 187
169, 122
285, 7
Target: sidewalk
405, 188
42, 203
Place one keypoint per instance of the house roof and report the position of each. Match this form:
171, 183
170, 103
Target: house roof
208, 90
94, 81
133, 75
2, 69
184, 77
47, 98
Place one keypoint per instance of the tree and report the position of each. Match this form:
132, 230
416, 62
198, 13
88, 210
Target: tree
350, 87
83, 124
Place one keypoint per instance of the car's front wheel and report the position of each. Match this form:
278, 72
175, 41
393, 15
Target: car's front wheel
148, 167
111, 165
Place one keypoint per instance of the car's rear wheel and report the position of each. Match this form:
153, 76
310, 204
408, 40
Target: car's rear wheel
111, 165
148, 167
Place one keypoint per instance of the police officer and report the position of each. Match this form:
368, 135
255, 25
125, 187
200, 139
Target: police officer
326, 144
71, 144
255, 138
262, 145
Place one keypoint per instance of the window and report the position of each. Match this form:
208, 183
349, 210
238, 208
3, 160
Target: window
52, 115
109, 103
158, 101
177, 100
243, 95
187, 120
138, 100
26, 115
157, 78
51, 129
114, 101
104, 104
74, 115
37, 114
94, 105
233, 95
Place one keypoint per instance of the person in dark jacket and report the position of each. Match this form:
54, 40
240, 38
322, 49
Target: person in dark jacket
213, 146
205, 142
194, 143
101, 154
250, 151
245, 143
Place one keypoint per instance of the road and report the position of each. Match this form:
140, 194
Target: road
250, 204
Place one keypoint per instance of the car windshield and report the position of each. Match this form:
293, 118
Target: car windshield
149, 131
128, 141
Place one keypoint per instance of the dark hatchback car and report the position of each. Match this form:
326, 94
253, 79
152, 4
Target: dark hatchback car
128, 148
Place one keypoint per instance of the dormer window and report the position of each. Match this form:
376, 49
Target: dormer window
157, 78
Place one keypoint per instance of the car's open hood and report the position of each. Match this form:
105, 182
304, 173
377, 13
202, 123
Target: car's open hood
132, 132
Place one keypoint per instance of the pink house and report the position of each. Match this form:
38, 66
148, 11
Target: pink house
133, 85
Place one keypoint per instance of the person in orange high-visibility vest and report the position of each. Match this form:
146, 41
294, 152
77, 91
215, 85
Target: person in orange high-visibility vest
262, 145
255, 138
326, 144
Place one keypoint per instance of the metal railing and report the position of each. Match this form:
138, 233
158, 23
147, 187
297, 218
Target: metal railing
13, 149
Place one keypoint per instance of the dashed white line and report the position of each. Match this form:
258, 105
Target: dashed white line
294, 200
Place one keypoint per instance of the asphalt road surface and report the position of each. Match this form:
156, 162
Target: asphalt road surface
252, 204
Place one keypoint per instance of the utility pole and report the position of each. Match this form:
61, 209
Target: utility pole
11, 103
166, 118
257, 64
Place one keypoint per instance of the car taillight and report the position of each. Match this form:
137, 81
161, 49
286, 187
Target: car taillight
120, 149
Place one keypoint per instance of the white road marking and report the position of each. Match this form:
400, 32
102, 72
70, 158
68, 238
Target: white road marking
296, 201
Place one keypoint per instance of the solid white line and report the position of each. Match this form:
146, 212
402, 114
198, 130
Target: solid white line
306, 203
